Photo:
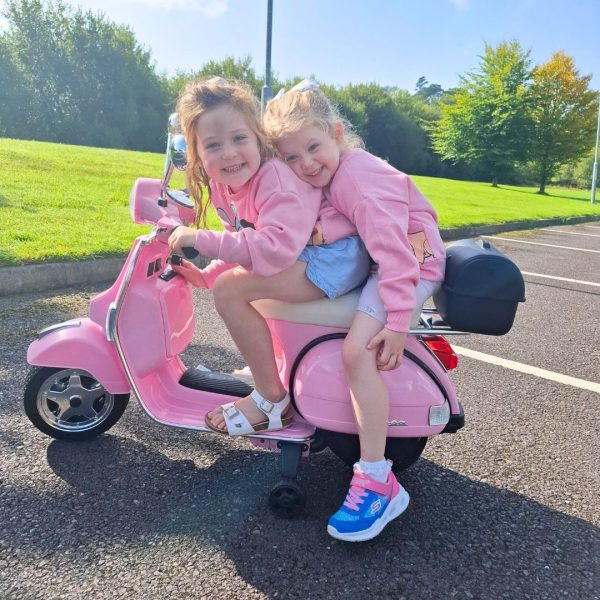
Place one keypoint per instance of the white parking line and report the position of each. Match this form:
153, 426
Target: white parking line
528, 369
570, 232
561, 278
539, 244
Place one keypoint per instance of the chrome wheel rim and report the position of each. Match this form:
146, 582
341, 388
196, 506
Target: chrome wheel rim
72, 400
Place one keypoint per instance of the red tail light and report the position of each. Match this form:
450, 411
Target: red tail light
442, 349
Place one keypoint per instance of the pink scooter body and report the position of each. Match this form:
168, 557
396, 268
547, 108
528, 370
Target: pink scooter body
131, 343
139, 326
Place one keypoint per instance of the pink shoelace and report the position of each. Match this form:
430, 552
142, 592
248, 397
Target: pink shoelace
355, 496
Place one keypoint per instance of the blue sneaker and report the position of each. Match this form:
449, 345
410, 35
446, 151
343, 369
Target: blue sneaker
369, 506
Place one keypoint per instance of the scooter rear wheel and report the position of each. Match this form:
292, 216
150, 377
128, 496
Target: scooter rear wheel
402, 451
69, 404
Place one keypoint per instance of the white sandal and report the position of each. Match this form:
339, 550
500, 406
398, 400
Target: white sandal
238, 424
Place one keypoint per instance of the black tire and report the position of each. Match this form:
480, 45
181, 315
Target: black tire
402, 451
69, 404
287, 499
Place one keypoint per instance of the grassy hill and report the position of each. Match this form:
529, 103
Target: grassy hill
60, 202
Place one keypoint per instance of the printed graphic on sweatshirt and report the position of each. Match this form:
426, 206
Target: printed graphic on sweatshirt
237, 223
420, 246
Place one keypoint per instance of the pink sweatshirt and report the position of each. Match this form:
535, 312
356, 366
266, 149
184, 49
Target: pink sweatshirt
267, 223
397, 225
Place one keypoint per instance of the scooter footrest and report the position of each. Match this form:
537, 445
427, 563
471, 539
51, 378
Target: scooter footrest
213, 381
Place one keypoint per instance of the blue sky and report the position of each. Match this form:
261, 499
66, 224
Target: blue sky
391, 42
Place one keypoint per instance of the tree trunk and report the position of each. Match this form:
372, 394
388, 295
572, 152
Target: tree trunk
543, 177
494, 181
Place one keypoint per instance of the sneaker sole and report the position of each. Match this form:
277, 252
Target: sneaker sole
395, 508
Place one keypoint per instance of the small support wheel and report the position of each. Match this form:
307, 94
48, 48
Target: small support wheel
287, 499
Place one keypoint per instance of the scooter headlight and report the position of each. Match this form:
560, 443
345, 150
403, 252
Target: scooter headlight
439, 415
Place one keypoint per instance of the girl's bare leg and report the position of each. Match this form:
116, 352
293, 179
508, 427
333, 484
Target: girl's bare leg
233, 292
367, 389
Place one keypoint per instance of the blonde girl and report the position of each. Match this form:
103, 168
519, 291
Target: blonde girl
399, 229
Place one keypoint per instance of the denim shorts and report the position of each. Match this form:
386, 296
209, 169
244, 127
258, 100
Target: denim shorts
371, 304
339, 267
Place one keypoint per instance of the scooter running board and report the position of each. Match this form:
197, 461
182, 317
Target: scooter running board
215, 382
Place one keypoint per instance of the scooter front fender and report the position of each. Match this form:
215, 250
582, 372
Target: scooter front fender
80, 344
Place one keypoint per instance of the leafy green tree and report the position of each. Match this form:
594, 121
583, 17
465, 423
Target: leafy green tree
14, 109
487, 121
384, 121
228, 68
85, 80
563, 111
428, 92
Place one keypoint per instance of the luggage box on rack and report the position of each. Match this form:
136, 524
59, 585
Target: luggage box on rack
481, 289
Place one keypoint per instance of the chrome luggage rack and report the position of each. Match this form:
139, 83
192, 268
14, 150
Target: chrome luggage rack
427, 326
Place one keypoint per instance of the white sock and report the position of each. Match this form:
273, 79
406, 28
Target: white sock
378, 470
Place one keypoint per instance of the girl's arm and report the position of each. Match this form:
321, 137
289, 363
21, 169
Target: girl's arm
382, 224
287, 211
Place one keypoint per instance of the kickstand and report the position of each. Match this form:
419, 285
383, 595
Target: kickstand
290, 459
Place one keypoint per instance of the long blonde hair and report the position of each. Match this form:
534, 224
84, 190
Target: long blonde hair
196, 99
296, 109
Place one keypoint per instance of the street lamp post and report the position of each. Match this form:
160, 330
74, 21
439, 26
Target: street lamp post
267, 92
595, 169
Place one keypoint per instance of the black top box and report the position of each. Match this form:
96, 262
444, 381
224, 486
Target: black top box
481, 289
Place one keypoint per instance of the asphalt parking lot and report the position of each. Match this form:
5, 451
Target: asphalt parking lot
506, 508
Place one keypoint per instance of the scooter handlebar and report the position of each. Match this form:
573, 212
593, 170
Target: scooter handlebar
190, 252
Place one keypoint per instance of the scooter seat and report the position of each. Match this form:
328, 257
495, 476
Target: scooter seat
338, 312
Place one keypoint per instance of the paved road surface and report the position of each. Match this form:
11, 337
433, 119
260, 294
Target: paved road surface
506, 508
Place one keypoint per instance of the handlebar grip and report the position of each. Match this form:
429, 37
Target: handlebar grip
190, 252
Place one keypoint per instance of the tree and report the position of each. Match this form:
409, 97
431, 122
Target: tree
384, 119
563, 111
486, 121
82, 78
228, 68
428, 92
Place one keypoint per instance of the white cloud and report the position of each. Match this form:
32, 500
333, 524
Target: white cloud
460, 4
213, 9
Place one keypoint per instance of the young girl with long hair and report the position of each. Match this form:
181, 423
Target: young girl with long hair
399, 228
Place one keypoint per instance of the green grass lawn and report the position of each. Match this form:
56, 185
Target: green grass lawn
60, 202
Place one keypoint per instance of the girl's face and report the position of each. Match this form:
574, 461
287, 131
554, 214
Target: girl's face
313, 154
228, 148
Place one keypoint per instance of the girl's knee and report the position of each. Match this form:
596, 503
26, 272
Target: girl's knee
225, 290
353, 354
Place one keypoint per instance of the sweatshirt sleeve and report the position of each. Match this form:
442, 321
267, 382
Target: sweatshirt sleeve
213, 270
382, 223
287, 213
335, 225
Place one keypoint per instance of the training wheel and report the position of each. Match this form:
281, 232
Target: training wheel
287, 499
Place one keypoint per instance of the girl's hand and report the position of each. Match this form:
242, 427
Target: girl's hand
182, 237
191, 273
391, 348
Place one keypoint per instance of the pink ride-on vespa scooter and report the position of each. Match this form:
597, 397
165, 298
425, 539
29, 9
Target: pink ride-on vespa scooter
84, 370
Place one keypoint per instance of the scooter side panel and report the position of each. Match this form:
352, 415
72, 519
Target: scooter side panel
156, 320
323, 398
84, 347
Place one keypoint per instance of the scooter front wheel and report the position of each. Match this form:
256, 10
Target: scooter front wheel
69, 404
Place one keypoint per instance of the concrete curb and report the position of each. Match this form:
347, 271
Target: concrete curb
56, 276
